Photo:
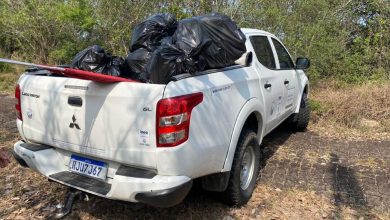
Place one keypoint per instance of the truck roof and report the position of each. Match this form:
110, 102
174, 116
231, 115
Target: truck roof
247, 31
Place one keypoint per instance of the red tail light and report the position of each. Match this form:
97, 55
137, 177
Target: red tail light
173, 119
18, 103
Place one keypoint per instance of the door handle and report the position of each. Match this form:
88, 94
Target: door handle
286, 82
75, 101
267, 85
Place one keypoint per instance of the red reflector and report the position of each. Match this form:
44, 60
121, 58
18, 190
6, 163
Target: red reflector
174, 130
18, 103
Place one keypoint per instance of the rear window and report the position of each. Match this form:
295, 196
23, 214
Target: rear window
263, 51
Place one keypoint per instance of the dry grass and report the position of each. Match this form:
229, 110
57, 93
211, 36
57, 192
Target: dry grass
358, 112
368, 162
271, 203
28, 195
9, 78
7, 82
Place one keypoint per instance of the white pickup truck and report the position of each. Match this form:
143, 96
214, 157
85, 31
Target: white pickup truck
146, 143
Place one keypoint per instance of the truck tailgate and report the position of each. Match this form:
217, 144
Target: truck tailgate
109, 121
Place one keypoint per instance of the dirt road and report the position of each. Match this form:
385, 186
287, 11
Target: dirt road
303, 176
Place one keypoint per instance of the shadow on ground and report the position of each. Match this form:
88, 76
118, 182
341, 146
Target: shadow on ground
193, 206
273, 141
346, 189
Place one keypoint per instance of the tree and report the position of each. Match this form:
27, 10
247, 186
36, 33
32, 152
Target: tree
345, 39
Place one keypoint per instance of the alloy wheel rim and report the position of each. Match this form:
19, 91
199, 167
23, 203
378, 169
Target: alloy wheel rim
247, 167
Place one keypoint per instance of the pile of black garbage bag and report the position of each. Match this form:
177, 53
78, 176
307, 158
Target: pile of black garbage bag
162, 47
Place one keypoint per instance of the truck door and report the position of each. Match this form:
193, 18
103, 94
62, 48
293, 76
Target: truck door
285, 67
270, 80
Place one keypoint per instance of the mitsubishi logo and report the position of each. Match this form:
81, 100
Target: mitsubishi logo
74, 124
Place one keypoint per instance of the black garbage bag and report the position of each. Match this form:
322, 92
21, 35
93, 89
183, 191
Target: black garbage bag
164, 63
116, 67
95, 59
213, 39
92, 58
149, 33
168, 61
136, 62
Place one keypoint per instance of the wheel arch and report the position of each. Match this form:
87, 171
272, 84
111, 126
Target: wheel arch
304, 89
251, 116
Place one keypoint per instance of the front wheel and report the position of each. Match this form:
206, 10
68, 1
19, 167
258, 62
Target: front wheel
245, 169
301, 119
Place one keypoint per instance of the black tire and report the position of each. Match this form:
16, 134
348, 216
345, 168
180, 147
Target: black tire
302, 118
236, 194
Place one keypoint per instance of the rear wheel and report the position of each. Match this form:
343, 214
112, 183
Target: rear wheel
245, 168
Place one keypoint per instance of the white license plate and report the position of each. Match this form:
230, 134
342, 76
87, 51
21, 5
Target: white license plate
88, 167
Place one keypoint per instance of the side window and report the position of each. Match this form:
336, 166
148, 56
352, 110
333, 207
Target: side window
285, 60
263, 51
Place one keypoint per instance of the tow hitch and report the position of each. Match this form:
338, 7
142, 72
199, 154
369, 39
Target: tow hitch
70, 198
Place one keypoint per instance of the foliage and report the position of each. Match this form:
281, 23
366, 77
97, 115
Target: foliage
7, 82
4, 67
318, 107
345, 39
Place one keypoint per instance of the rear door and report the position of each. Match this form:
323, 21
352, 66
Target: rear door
110, 121
270, 81
285, 68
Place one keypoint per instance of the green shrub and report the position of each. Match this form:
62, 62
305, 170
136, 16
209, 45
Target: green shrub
5, 67
318, 107
346, 41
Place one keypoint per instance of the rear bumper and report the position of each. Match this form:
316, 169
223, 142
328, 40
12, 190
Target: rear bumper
122, 183
19, 159
165, 198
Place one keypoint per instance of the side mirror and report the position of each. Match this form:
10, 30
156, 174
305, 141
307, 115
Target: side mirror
302, 63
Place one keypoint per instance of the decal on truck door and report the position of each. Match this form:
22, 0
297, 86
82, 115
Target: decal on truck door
290, 97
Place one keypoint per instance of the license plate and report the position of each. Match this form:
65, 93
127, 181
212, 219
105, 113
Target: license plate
88, 167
